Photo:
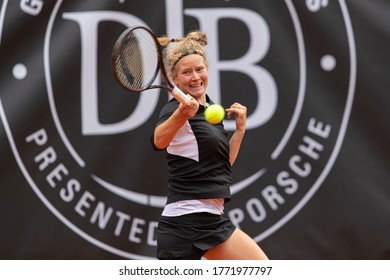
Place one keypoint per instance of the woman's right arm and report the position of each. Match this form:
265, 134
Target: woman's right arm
164, 133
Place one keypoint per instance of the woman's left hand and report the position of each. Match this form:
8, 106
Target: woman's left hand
240, 112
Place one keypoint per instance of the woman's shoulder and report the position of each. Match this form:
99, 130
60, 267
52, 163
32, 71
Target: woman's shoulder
167, 110
170, 106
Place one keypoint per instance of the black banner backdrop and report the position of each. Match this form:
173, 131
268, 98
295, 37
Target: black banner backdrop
79, 179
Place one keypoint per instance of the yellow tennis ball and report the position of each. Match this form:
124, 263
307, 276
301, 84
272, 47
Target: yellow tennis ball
214, 113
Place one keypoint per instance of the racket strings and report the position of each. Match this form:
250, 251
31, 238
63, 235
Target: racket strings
137, 63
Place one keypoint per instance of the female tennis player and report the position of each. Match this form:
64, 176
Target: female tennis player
199, 157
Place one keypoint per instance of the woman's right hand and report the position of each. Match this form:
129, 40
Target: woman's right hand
188, 110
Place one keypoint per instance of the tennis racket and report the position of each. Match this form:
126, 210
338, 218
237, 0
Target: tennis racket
136, 61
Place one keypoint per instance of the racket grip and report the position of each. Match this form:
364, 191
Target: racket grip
180, 96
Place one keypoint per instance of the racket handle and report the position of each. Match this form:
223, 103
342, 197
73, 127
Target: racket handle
180, 96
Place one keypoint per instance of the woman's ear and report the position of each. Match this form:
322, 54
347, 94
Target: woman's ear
174, 80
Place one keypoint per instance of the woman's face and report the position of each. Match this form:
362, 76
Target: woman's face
192, 75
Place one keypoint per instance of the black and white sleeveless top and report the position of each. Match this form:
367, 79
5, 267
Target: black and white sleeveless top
198, 159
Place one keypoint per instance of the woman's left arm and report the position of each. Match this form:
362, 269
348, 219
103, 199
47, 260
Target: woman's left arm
235, 141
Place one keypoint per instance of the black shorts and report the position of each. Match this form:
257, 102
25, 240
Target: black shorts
188, 237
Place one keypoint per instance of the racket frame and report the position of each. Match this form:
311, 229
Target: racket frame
116, 53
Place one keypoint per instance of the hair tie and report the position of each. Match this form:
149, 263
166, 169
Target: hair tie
173, 40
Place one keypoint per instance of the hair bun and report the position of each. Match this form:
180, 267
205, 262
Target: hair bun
198, 36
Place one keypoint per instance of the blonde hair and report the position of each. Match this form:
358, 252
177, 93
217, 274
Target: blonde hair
176, 49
